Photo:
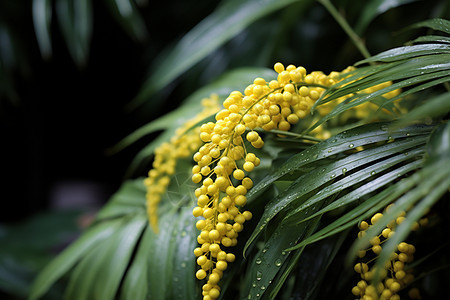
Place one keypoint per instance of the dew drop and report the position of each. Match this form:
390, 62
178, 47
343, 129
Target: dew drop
351, 145
323, 170
372, 173
258, 261
249, 296
257, 295
264, 250
334, 141
263, 287
258, 275
330, 150
254, 284
183, 265
408, 134
278, 262
344, 170
183, 233
283, 252
332, 176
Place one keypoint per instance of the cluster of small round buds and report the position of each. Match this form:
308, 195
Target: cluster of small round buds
396, 275
362, 111
181, 145
223, 163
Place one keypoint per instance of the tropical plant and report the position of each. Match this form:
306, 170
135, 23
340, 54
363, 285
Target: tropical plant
367, 150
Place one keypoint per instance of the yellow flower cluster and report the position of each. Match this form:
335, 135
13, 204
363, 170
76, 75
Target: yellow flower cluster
360, 112
181, 145
223, 163
396, 275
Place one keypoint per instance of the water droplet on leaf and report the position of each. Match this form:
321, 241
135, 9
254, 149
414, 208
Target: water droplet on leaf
258, 275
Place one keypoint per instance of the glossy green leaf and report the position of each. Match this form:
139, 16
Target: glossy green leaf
431, 175
83, 276
407, 52
429, 70
359, 136
70, 256
160, 258
364, 210
375, 8
117, 257
42, 16
225, 22
432, 39
312, 268
366, 172
136, 280
271, 258
372, 185
435, 24
185, 285
432, 182
308, 182
110, 257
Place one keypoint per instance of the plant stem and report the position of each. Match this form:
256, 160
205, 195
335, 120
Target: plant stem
357, 41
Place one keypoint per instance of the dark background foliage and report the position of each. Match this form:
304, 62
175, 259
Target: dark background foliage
62, 117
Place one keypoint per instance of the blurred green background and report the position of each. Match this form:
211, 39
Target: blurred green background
76, 78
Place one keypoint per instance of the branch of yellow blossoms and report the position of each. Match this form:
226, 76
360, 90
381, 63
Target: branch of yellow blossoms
181, 145
396, 275
225, 160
